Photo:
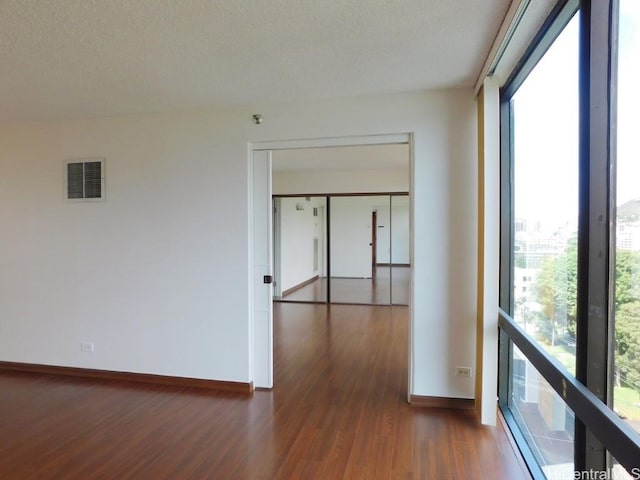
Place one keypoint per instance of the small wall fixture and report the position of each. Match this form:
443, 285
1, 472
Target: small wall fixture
257, 118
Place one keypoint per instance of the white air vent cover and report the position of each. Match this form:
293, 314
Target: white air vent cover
84, 179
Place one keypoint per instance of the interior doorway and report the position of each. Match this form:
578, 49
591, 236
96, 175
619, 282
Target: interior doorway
337, 172
365, 193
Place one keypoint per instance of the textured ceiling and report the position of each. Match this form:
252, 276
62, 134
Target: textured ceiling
82, 58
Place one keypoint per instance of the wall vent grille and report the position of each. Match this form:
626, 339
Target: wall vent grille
85, 179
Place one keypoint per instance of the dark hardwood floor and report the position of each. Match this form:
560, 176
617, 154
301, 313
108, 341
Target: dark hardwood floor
338, 410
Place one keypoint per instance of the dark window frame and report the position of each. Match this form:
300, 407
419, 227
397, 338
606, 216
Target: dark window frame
598, 429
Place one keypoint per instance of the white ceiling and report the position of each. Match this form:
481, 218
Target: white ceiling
83, 58
373, 157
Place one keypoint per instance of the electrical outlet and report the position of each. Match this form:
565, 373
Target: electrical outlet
463, 372
86, 347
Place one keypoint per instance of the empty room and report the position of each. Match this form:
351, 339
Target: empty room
344, 239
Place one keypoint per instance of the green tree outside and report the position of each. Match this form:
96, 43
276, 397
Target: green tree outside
556, 292
627, 320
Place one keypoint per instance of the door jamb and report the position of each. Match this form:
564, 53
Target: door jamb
374, 243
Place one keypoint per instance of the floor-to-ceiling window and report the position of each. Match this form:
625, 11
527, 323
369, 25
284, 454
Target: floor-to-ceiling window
626, 366
544, 247
570, 251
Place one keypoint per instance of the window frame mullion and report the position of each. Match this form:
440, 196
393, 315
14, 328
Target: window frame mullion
596, 212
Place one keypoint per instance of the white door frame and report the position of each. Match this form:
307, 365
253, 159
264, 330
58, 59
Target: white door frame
262, 335
260, 268
277, 250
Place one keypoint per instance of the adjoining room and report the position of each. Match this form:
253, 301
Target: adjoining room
348, 239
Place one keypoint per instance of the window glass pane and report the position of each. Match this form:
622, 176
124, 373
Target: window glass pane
618, 472
627, 306
545, 421
545, 163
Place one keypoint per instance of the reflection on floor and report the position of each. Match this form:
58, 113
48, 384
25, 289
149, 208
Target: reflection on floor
389, 286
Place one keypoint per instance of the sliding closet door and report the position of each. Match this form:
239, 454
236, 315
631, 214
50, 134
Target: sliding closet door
400, 250
360, 249
300, 246
342, 249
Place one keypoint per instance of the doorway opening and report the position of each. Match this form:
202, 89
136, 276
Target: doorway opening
363, 168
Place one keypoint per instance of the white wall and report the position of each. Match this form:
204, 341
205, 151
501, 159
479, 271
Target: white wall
351, 237
341, 181
394, 229
400, 233
298, 229
158, 274
488, 249
383, 234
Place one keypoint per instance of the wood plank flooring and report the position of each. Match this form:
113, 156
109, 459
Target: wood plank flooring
338, 410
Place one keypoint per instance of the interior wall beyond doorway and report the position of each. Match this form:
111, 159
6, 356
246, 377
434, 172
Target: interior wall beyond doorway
342, 171
301, 226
